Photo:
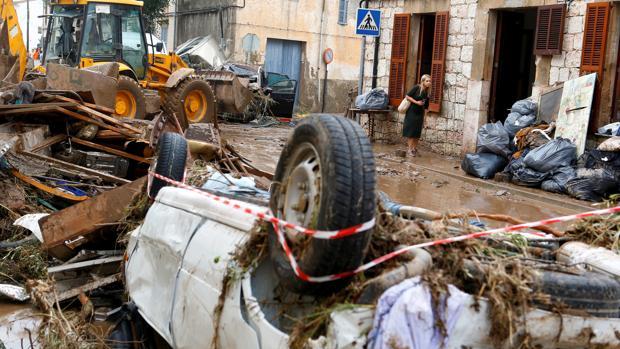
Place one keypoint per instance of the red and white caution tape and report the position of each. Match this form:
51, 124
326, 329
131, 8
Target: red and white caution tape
267, 217
278, 224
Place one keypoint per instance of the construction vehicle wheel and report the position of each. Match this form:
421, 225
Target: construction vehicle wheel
192, 101
130, 100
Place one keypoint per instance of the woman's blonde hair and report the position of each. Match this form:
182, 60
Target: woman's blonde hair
424, 77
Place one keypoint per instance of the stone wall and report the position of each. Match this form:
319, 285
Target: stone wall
467, 87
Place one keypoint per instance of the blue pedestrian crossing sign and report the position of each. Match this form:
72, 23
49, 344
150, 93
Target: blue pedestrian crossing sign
368, 22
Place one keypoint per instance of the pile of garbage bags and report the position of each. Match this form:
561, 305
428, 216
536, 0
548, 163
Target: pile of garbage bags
526, 154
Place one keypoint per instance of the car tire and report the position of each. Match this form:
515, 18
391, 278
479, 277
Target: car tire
192, 101
594, 293
131, 95
343, 196
170, 161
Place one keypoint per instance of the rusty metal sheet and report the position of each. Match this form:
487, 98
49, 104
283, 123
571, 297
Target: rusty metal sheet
102, 87
69, 228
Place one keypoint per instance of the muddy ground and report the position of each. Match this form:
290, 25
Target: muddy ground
415, 181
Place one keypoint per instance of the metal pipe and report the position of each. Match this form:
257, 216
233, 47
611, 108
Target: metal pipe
375, 63
360, 83
28, 26
320, 55
324, 90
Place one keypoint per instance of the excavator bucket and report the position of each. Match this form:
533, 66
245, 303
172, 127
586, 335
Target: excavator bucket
13, 54
231, 94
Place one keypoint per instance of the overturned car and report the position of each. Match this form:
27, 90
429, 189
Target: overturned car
205, 269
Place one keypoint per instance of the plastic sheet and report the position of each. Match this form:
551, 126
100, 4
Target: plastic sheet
524, 107
515, 122
375, 99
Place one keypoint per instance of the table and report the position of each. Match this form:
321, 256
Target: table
354, 113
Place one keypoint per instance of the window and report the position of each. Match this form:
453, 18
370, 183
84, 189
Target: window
62, 46
549, 30
435, 59
342, 12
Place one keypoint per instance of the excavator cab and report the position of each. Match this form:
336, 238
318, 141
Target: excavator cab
84, 33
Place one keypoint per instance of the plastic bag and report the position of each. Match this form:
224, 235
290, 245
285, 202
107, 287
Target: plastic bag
597, 159
524, 107
483, 165
374, 99
515, 122
612, 144
610, 129
528, 177
557, 183
593, 185
493, 138
557, 153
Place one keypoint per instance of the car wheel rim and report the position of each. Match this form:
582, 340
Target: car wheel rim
302, 194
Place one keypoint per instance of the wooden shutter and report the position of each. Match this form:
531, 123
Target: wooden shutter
398, 61
549, 30
595, 39
440, 43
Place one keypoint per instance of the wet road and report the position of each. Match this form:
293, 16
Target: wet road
403, 179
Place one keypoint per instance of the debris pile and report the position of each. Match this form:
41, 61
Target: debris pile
523, 151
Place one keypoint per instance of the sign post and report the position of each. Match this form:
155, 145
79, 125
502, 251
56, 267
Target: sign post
368, 23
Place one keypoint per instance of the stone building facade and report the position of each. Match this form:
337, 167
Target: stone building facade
471, 54
245, 29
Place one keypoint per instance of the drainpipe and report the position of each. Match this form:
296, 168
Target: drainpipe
176, 19
360, 83
320, 55
375, 63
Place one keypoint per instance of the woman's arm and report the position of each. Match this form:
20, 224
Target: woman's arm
420, 103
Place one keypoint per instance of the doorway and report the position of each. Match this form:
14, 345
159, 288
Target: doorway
514, 66
425, 45
283, 66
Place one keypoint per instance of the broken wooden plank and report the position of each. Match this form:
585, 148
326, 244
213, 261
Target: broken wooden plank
48, 142
80, 221
75, 167
84, 264
91, 286
90, 105
110, 150
96, 122
4, 108
48, 189
108, 118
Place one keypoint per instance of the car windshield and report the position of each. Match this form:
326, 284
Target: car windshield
98, 41
64, 26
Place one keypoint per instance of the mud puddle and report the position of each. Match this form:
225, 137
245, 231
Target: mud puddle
399, 178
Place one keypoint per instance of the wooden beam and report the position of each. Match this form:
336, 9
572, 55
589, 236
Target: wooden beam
96, 122
90, 105
35, 105
108, 118
110, 150
75, 167
48, 142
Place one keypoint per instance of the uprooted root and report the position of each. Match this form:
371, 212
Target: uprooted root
63, 328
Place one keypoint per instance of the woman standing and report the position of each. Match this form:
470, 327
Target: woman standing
414, 119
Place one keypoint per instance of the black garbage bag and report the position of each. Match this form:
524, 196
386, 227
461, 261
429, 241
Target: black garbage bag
493, 138
557, 182
557, 153
483, 165
599, 159
528, 177
515, 122
374, 99
524, 107
593, 185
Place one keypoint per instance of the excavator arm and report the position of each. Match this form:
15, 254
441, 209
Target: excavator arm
13, 53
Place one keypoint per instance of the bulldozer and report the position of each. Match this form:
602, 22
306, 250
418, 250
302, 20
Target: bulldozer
85, 33
13, 54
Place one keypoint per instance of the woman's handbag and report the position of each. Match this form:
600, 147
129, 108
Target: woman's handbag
404, 106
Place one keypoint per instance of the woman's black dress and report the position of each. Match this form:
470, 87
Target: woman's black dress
414, 119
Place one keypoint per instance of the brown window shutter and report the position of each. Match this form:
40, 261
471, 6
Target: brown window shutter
398, 61
550, 30
440, 44
595, 38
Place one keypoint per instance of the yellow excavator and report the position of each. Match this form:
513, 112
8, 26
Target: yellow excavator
85, 33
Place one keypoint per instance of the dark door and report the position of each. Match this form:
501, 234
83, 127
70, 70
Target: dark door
514, 66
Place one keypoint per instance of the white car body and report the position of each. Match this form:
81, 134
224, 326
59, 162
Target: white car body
178, 258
